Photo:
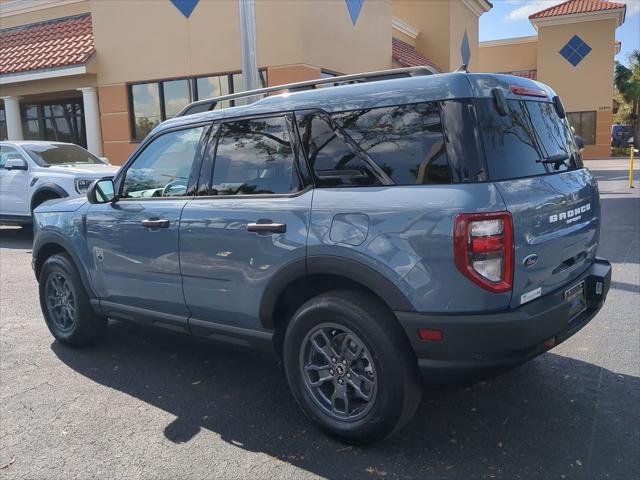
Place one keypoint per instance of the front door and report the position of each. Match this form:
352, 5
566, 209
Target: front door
14, 185
134, 241
252, 220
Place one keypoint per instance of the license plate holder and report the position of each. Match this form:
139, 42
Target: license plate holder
576, 299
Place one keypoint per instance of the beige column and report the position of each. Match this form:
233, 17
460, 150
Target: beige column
92, 120
14, 120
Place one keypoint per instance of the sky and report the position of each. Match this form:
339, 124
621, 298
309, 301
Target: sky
509, 18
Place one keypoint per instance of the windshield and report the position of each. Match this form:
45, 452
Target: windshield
530, 140
60, 154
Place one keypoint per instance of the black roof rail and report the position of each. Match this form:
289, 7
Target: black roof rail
210, 103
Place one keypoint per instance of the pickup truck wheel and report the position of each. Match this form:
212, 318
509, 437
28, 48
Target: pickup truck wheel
65, 303
351, 367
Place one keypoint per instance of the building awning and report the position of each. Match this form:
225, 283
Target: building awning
530, 74
408, 56
46, 49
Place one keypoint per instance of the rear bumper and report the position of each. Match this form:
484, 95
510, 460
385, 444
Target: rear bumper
484, 342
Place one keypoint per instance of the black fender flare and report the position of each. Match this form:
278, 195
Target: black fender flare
48, 187
331, 265
45, 237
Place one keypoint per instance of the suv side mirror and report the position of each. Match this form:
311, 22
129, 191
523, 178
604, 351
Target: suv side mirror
15, 164
102, 191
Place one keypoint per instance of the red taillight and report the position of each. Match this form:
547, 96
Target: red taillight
528, 92
483, 249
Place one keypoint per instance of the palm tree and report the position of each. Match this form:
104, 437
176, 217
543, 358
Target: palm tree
627, 81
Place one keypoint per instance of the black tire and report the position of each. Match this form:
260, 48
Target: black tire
78, 326
367, 324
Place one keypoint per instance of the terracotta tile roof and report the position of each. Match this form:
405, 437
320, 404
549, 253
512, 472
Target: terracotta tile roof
530, 74
408, 56
52, 44
577, 6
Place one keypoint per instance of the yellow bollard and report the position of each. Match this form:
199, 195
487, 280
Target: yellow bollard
631, 167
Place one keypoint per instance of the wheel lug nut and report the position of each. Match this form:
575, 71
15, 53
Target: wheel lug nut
340, 381
333, 359
331, 372
348, 375
344, 362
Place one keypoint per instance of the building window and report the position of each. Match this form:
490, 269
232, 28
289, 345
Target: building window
61, 121
584, 124
3, 124
154, 102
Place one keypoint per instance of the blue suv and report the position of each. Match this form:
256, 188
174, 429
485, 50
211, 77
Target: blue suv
370, 229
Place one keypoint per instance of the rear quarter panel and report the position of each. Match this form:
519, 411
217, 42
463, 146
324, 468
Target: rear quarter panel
406, 234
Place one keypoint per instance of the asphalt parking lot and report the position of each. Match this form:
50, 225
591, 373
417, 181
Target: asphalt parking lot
146, 404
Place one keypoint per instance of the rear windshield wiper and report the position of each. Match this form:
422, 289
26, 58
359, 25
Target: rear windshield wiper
555, 159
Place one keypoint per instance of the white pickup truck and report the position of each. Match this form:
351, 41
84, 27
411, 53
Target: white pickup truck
32, 172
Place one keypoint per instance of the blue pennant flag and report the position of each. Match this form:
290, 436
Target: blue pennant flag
186, 7
355, 7
465, 50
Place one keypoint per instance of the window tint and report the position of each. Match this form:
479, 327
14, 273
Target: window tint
333, 162
3, 124
164, 166
177, 94
405, 141
53, 154
584, 124
146, 108
530, 132
254, 157
61, 121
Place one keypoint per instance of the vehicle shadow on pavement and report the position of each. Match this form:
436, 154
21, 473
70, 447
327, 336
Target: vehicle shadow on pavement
554, 417
16, 238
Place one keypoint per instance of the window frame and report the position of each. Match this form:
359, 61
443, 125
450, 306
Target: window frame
42, 118
195, 167
595, 125
193, 91
205, 179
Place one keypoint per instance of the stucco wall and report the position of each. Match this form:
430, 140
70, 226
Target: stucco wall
508, 58
587, 86
131, 49
434, 26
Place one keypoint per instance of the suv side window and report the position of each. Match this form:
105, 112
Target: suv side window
255, 157
333, 161
405, 141
7, 153
164, 166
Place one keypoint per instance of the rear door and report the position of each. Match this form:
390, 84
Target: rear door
555, 205
250, 220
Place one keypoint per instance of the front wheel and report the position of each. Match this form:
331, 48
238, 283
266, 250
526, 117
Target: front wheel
351, 367
66, 305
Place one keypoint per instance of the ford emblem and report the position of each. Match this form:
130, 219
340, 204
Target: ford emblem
530, 260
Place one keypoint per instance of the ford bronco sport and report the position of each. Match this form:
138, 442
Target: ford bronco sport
389, 225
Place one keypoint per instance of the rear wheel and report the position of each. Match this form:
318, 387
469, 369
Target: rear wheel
66, 305
350, 366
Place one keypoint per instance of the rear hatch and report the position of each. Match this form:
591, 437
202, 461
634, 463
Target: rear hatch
532, 159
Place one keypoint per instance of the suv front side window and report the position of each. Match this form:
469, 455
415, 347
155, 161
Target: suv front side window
164, 166
255, 157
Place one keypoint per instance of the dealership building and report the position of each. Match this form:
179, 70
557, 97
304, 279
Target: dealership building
102, 73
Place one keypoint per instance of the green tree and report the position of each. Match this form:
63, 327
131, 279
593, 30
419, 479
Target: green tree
627, 81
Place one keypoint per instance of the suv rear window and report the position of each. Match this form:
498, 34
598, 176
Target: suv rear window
515, 143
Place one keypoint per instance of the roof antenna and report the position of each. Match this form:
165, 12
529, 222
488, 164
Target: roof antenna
462, 68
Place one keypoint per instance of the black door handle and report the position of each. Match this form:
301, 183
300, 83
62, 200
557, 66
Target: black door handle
155, 223
267, 227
